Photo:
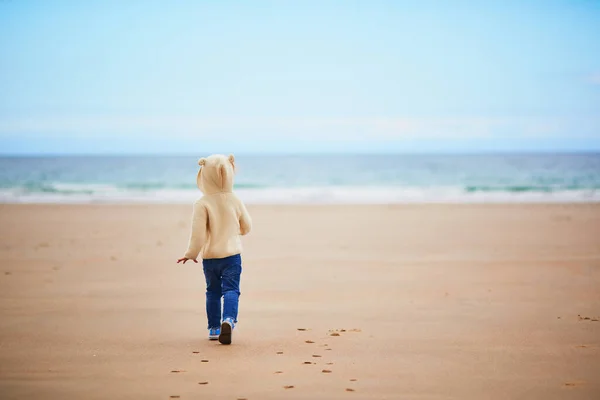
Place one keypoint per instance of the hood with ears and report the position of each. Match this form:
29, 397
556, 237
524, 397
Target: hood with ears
216, 174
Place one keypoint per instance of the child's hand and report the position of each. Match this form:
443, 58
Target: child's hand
184, 259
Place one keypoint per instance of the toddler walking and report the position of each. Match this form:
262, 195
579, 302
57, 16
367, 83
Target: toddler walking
219, 218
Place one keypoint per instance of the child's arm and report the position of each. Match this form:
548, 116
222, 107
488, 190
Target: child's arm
245, 220
198, 234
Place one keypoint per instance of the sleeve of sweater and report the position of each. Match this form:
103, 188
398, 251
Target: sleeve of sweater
245, 220
198, 234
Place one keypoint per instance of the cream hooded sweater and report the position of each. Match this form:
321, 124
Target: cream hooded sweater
219, 216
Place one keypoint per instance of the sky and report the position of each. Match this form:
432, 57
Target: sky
298, 76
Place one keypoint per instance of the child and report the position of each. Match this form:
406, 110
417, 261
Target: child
219, 218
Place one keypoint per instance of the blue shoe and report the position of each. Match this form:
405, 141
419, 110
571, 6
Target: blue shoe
226, 331
213, 333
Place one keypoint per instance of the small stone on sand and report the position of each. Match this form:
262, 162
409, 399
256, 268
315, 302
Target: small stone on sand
326, 371
288, 387
335, 334
349, 390
202, 383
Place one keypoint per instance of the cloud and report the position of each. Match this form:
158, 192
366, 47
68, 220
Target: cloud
326, 129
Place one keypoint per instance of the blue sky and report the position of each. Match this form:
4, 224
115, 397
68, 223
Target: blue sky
297, 76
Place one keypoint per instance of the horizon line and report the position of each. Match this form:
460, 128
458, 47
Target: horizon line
305, 153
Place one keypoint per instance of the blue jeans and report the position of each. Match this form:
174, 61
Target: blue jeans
222, 280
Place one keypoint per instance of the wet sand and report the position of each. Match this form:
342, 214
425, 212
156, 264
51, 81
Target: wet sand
350, 302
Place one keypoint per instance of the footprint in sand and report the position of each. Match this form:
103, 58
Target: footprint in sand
328, 363
327, 349
308, 341
302, 329
174, 397
574, 383
204, 361
326, 371
8, 273
280, 352
307, 363
586, 318
349, 390
202, 383
113, 258
279, 372
288, 387
196, 352
316, 355
176, 371
353, 380
335, 334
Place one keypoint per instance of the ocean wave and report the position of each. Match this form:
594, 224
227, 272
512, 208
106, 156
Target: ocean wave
94, 193
528, 188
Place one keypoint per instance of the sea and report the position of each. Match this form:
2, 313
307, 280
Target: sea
308, 179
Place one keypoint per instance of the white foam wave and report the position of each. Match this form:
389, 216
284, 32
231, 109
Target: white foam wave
99, 194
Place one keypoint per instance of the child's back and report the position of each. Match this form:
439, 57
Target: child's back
219, 218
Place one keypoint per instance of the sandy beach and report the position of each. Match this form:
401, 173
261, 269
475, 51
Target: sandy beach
347, 302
